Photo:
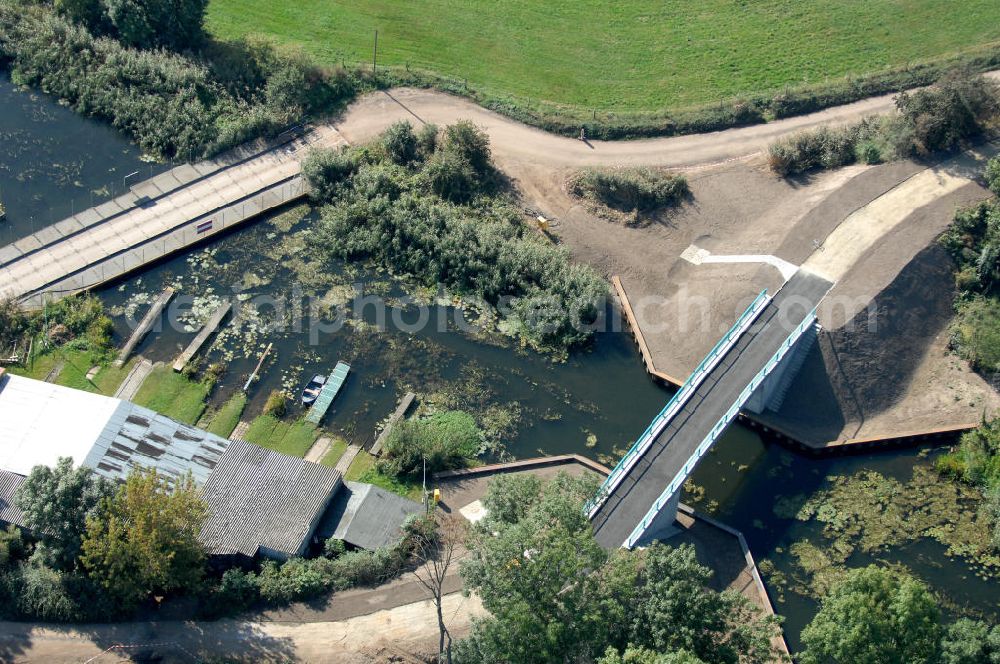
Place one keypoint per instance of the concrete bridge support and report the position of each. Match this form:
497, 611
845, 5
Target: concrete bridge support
771, 393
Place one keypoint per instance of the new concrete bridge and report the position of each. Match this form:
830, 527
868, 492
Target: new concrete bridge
158, 217
750, 367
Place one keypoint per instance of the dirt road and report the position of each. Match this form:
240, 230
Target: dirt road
513, 141
377, 637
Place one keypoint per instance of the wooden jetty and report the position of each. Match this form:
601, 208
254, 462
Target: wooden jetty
203, 335
328, 393
257, 368
144, 326
404, 405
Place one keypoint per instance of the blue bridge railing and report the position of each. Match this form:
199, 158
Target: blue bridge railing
678, 481
681, 397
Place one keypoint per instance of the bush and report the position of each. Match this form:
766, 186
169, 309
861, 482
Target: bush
34, 592
172, 105
445, 440
237, 591
325, 170
630, 189
993, 175
276, 404
470, 143
451, 177
976, 334
400, 143
296, 579
944, 116
958, 107
334, 547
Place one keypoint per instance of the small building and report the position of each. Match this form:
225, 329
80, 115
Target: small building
264, 502
366, 516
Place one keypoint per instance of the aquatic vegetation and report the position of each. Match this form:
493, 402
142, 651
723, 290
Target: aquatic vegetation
442, 222
872, 514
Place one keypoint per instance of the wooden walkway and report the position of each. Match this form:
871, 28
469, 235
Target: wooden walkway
158, 217
404, 405
134, 380
328, 393
345, 461
203, 335
144, 325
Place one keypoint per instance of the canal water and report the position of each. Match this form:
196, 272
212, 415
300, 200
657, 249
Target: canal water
593, 403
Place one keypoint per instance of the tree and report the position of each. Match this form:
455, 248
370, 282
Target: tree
144, 540
435, 554
56, 503
174, 24
993, 175
535, 578
645, 656
971, 642
874, 616
673, 610
554, 595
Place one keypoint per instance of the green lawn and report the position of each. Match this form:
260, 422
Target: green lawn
363, 469
332, 456
630, 55
76, 364
291, 438
226, 418
172, 394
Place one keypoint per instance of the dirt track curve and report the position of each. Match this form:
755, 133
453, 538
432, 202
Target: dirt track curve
512, 140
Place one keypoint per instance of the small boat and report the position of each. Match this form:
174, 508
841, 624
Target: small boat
312, 389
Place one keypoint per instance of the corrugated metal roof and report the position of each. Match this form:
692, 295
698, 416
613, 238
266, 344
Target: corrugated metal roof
139, 437
40, 422
263, 500
9, 512
367, 516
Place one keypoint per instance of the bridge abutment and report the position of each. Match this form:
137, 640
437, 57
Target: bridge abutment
771, 392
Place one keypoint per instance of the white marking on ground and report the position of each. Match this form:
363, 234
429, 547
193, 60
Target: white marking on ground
698, 256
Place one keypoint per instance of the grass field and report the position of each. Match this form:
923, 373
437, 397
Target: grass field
624, 56
291, 438
173, 394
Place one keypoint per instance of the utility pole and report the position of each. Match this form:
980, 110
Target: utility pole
375, 55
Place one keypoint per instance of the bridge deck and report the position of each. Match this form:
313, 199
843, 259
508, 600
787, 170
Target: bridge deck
142, 227
629, 502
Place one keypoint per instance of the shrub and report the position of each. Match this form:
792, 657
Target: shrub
427, 140
325, 170
237, 591
400, 143
334, 547
944, 116
172, 105
630, 189
296, 579
993, 175
471, 143
445, 440
958, 107
451, 176
276, 404
12, 546
409, 219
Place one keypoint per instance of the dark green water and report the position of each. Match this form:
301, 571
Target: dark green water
53, 163
596, 401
